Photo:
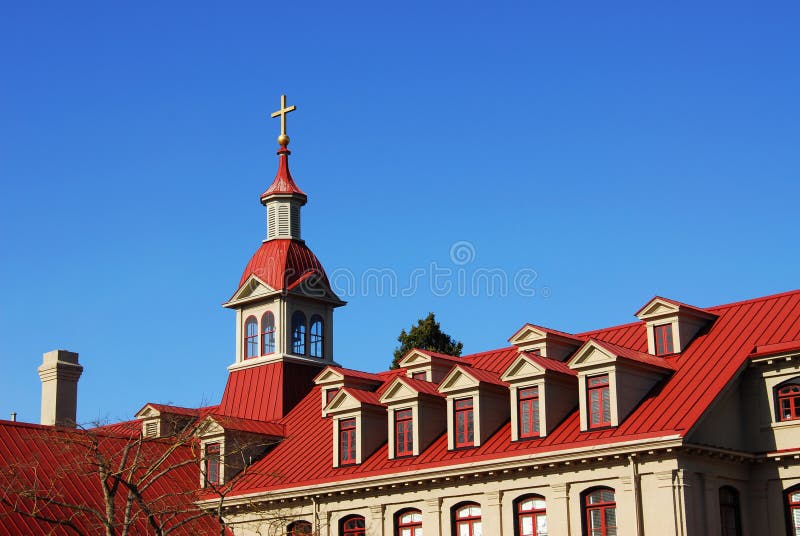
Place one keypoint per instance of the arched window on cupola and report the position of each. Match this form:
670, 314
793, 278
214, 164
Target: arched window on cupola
267, 333
250, 337
299, 333
316, 337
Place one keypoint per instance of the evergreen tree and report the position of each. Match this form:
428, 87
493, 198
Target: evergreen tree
426, 335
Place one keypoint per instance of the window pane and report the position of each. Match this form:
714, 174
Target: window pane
477, 530
526, 526
611, 517
541, 525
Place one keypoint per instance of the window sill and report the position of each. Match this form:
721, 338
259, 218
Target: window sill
781, 424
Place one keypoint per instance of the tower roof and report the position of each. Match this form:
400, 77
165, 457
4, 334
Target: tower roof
283, 264
284, 183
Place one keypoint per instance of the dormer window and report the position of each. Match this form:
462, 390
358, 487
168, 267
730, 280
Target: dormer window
599, 401
329, 394
316, 348
267, 333
251, 338
788, 397
422, 375
663, 339
464, 422
212, 464
528, 411
347, 441
404, 432
299, 333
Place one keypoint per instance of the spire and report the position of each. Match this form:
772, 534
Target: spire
283, 198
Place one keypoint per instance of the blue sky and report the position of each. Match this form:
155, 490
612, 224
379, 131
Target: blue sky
608, 151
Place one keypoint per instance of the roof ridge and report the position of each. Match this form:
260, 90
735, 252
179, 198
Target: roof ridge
754, 300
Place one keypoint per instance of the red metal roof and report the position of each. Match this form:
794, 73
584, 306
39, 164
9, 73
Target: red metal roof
563, 334
673, 302
673, 408
438, 355
350, 373
777, 348
284, 183
282, 263
421, 386
268, 428
365, 397
58, 462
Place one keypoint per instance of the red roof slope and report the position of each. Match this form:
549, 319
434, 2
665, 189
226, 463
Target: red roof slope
58, 463
635, 355
672, 408
283, 263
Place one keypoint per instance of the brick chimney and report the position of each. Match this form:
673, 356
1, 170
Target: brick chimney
60, 372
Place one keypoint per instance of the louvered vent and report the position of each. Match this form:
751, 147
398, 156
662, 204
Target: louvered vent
295, 221
151, 429
271, 223
283, 220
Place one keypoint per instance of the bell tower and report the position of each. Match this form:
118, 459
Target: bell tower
284, 303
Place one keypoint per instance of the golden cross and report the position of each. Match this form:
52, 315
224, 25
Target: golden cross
282, 112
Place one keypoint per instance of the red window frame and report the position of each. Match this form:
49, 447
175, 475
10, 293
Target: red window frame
788, 402
466, 519
267, 333
464, 422
600, 512
409, 523
213, 463
299, 528
528, 412
251, 337
422, 375
330, 393
528, 511
403, 432
353, 526
730, 511
793, 509
598, 400
663, 339
347, 441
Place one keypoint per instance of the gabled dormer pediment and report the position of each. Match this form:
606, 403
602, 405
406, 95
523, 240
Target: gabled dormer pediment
349, 400
159, 420
672, 325
403, 389
546, 342
531, 366
332, 379
427, 365
251, 290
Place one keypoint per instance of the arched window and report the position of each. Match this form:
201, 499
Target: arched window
793, 510
299, 528
352, 526
467, 520
787, 396
531, 516
600, 512
408, 523
730, 516
316, 337
299, 333
267, 333
251, 337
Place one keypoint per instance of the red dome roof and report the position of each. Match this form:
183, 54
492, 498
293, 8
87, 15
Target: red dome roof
282, 264
284, 183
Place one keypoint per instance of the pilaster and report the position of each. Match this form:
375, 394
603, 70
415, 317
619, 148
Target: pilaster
375, 525
432, 517
491, 512
558, 509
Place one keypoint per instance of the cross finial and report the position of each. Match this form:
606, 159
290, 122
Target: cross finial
283, 139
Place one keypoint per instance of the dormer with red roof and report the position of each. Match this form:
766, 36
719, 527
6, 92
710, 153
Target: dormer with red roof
543, 392
612, 381
477, 404
332, 379
359, 425
284, 307
160, 420
417, 415
672, 325
545, 342
427, 365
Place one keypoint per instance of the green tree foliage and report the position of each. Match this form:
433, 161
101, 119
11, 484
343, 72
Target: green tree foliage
426, 335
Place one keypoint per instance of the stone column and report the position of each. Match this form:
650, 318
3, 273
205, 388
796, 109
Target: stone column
375, 526
492, 513
558, 509
432, 517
